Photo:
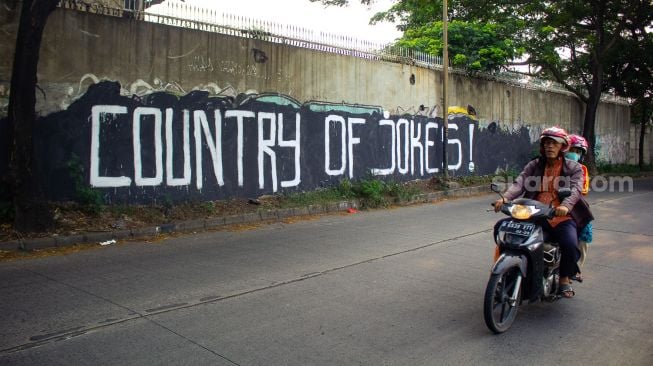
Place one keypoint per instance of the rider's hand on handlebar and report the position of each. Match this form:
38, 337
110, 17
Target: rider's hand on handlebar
561, 211
497, 205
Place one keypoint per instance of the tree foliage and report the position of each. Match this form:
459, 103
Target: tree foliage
634, 79
473, 45
573, 42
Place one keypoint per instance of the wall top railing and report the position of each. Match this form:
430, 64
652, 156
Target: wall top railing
179, 14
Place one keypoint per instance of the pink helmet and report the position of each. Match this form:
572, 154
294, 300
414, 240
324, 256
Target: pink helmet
578, 142
558, 134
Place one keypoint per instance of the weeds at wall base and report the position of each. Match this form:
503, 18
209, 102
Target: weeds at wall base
74, 218
629, 169
91, 215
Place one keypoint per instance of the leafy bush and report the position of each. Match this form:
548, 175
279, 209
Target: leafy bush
370, 191
604, 168
508, 174
346, 189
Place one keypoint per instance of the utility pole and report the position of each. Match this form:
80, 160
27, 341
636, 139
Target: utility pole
445, 85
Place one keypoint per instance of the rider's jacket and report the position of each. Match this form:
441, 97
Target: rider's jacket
529, 183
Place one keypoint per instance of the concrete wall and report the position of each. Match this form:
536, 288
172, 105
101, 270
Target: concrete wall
633, 155
151, 60
80, 47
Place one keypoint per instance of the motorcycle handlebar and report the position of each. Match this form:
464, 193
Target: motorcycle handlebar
549, 215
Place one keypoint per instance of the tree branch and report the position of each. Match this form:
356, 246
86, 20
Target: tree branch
559, 78
574, 62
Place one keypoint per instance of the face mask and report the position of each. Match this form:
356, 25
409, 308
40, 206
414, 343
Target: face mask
572, 156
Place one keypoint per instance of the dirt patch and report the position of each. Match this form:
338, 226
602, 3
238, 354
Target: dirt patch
71, 218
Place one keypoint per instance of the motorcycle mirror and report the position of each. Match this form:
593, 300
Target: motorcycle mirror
564, 193
497, 189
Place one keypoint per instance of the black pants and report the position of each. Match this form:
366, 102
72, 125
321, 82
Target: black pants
566, 235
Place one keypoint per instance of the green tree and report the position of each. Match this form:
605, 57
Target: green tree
407, 14
473, 45
570, 41
575, 43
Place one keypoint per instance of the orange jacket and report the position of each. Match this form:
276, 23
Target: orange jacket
586, 180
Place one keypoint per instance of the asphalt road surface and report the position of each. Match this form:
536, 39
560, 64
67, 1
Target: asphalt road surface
387, 287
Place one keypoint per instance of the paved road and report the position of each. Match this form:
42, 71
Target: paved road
389, 287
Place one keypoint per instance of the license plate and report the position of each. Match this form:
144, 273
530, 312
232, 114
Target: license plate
517, 228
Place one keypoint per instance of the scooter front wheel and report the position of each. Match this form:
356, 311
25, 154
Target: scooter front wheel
502, 298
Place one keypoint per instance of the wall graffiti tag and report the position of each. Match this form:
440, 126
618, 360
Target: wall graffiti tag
199, 63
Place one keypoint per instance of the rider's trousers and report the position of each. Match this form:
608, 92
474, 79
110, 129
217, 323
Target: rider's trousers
566, 234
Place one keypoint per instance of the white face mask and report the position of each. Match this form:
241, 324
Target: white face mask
572, 156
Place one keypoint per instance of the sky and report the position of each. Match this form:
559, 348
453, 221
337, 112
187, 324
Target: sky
351, 20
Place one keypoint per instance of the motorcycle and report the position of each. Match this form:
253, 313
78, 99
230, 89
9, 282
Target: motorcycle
527, 266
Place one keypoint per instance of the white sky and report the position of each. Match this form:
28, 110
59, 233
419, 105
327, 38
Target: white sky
351, 20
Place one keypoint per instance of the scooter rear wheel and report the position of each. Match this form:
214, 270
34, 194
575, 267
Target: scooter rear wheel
499, 310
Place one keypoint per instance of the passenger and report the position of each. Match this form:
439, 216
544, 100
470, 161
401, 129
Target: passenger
577, 149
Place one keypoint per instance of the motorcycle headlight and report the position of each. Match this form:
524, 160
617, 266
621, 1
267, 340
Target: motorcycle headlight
523, 212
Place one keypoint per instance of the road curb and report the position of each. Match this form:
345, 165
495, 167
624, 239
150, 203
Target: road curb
150, 232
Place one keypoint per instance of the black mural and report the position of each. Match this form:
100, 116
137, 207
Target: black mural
204, 147
503, 149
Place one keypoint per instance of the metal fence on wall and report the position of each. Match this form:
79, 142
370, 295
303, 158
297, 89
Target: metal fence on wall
178, 14
186, 16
